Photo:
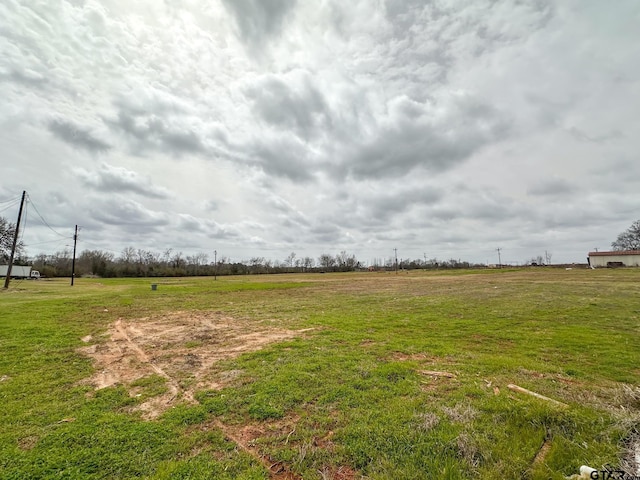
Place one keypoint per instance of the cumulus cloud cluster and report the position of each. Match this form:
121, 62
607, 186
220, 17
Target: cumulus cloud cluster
271, 126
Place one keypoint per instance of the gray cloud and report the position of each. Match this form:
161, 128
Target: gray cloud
191, 224
211, 205
553, 186
387, 204
289, 215
210, 228
150, 132
326, 234
297, 105
26, 77
608, 174
122, 212
111, 179
582, 136
416, 135
258, 20
77, 136
282, 155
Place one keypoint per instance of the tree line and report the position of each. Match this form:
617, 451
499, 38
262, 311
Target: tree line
134, 262
144, 263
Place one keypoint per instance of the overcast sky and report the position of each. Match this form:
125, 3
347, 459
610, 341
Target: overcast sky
264, 127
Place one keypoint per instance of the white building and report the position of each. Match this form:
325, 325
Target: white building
622, 258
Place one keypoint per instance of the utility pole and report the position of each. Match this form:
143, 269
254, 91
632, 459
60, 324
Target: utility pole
215, 266
73, 261
396, 255
499, 260
15, 241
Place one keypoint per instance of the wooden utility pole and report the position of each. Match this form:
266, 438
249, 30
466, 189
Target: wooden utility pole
15, 241
73, 261
396, 257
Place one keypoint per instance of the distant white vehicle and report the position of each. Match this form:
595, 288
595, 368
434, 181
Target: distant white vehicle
19, 271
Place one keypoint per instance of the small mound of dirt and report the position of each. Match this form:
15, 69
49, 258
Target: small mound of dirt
181, 347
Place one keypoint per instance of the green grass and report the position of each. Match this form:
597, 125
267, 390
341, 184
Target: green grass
347, 396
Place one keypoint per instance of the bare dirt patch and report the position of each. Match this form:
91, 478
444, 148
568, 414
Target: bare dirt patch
27, 443
182, 348
417, 357
339, 473
544, 450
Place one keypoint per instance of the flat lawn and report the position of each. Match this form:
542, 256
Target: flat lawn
366, 375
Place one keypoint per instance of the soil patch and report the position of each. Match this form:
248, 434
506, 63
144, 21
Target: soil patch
182, 348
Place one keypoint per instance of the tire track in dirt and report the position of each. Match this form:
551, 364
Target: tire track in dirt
174, 386
277, 470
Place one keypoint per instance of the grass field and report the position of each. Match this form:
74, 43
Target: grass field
368, 375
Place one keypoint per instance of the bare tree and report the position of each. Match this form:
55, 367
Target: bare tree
128, 255
256, 264
326, 261
95, 262
177, 261
346, 262
290, 259
629, 239
307, 263
196, 261
7, 232
61, 261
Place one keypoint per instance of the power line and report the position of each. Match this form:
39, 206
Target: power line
10, 205
58, 240
12, 199
44, 221
12, 202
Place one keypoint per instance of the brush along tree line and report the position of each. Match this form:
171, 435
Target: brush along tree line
143, 263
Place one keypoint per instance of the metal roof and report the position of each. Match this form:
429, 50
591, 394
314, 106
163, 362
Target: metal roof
614, 253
